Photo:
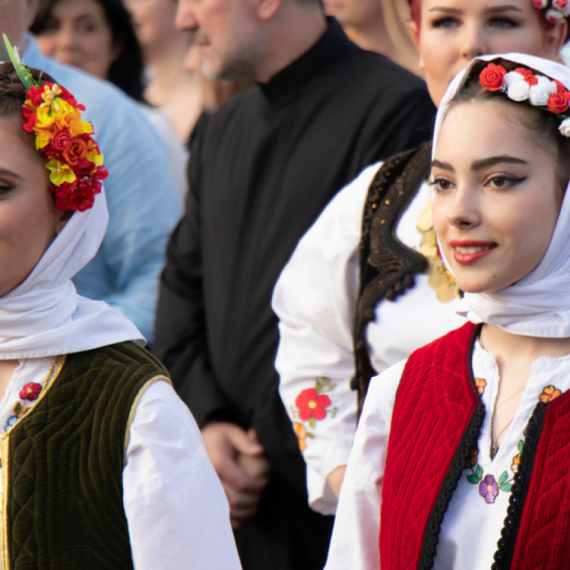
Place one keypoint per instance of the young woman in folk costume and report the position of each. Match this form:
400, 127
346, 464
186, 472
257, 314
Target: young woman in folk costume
373, 249
101, 464
462, 455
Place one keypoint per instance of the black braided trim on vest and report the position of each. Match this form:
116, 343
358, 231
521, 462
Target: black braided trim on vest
387, 266
467, 443
506, 544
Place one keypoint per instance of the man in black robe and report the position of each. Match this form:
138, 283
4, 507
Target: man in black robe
261, 170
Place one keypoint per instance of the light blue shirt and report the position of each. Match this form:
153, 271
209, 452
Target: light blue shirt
141, 195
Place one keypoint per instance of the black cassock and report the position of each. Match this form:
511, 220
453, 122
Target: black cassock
261, 170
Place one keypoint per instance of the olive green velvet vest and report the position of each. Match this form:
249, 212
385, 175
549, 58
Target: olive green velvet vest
62, 492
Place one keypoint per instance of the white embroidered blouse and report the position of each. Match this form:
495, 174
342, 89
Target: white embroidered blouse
314, 299
176, 509
474, 519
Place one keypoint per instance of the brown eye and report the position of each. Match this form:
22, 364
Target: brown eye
441, 184
498, 182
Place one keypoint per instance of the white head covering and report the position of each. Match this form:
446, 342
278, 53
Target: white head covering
44, 315
539, 304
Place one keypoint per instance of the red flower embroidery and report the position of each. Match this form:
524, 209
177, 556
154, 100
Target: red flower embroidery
311, 405
491, 77
30, 391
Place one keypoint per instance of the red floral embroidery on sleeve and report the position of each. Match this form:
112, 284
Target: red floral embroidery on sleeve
312, 405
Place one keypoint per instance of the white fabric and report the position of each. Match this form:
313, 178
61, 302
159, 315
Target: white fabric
315, 298
471, 527
539, 304
176, 509
44, 316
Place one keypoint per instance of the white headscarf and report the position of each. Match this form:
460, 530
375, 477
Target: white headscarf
44, 315
539, 304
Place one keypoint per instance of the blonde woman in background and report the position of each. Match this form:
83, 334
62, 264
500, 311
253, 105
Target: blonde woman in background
381, 26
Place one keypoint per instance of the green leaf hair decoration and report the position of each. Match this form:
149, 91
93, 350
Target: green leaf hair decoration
22, 70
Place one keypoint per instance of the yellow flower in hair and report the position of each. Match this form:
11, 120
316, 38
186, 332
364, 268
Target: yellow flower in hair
94, 155
60, 173
77, 128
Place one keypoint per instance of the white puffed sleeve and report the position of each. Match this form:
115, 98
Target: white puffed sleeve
355, 538
176, 508
314, 299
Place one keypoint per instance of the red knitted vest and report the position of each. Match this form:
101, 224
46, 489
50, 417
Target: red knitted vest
435, 425
429, 420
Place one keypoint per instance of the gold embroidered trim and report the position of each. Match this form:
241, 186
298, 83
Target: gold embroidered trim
53, 373
146, 385
4, 502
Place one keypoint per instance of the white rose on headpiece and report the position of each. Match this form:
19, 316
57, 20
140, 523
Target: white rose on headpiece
564, 128
538, 94
553, 15
512, 77
560, 4
518, 91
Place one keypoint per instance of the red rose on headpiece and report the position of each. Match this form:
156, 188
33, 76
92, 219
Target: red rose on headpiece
75, 151
559, 86
558, 102
491, 77
60, 140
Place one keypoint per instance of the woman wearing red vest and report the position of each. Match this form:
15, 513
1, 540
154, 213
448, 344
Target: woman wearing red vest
372, 243
462, 455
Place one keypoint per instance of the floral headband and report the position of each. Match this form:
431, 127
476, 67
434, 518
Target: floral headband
555, 9
72, 156
523, 84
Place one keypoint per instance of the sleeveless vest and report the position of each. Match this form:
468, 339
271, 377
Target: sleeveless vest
387, 266
62, 492
436, 422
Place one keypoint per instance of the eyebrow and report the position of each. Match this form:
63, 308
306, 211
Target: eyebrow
481, 164
493, 10
6, 172
492, 160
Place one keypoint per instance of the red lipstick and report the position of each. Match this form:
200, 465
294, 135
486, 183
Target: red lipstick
469, 251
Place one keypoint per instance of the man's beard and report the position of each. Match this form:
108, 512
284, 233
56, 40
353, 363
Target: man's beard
235, 67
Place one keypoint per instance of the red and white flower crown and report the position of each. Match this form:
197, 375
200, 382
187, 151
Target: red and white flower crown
72, 156
524, 84
554, 9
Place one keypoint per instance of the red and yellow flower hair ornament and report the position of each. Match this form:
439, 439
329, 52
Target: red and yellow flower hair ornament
64, 139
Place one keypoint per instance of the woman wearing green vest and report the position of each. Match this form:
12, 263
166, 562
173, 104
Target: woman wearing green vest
102, 466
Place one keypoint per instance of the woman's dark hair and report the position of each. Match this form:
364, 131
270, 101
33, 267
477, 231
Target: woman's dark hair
126, 72
13, 97
543, 124
12, 92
